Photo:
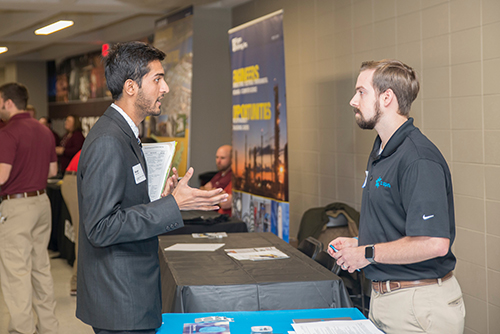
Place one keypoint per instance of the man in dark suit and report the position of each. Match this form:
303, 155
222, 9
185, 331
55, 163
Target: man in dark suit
118, 265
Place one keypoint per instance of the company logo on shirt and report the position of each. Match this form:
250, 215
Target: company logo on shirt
379, 183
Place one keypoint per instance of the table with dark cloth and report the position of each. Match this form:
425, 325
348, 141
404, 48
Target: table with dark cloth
213, 281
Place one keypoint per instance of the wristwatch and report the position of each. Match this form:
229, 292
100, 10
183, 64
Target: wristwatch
370, 253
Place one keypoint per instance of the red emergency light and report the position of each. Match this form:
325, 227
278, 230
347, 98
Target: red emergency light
105, 50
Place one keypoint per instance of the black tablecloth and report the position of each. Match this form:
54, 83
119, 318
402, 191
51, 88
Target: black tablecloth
213, 281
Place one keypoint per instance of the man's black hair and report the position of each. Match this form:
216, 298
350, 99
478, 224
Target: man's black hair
129, 61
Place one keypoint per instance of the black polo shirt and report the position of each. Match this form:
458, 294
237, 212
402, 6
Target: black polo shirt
407, 192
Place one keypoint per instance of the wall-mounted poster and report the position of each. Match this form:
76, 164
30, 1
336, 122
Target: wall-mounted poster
260, 141
174, 36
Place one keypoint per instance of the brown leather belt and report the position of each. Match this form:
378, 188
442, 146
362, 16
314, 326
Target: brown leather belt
24, 195
388, 286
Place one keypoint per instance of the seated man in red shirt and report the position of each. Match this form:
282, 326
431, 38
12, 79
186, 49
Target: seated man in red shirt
223, 179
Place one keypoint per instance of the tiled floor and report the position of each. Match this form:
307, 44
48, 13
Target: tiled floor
66, 305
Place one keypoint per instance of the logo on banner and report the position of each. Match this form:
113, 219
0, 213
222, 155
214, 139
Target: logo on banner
238, 44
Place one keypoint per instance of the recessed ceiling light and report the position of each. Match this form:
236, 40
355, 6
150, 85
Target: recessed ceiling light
3, 49
56, 26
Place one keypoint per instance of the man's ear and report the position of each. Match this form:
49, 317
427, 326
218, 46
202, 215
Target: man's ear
130, 87
388, 97
8, 104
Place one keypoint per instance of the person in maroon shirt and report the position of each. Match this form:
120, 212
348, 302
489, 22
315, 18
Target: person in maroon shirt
27, 158
223, 160
71, 142
223, 179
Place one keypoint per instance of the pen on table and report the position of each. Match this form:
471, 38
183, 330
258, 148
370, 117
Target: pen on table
336, 250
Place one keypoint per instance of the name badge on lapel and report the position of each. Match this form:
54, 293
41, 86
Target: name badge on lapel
138, 174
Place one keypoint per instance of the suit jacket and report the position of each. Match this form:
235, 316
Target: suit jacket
118, 266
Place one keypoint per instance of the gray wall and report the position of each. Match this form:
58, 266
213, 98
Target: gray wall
211, 115
454, 47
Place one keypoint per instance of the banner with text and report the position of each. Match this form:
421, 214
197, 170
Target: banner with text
260, 141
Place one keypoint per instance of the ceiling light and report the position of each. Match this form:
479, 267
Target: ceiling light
3, 49
56, 26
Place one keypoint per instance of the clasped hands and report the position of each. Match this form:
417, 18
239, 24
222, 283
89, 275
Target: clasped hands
188, 198
349, 256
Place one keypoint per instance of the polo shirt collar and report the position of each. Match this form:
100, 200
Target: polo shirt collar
397, 139
20, 116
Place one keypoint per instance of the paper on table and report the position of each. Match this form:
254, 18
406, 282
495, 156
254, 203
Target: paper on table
337, 327
210, 235
158, 159
194, 247
256, 254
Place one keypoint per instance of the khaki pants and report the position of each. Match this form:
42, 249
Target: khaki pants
434, 309
25, 275
70, 194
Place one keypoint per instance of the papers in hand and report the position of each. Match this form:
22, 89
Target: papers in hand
337, 327
194, 247
159, 160
256, 254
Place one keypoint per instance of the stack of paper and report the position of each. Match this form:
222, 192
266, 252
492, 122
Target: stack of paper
256, 254
337, 327
158, 159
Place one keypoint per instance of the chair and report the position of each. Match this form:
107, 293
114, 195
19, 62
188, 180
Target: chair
311, 247
354, 282
325, 260
357, 286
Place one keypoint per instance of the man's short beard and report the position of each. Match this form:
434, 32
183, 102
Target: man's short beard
370, 123
144, 105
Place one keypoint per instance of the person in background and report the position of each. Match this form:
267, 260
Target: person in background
70, 195
2, 123
407, 221
48, 123
27, 158
223, 179
71, 142
119, 286
223, 160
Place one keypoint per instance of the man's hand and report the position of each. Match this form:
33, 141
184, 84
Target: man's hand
188, 198
349, 256
171, 183
341, 243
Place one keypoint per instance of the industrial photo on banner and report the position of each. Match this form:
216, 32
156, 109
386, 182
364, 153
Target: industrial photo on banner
260, 139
